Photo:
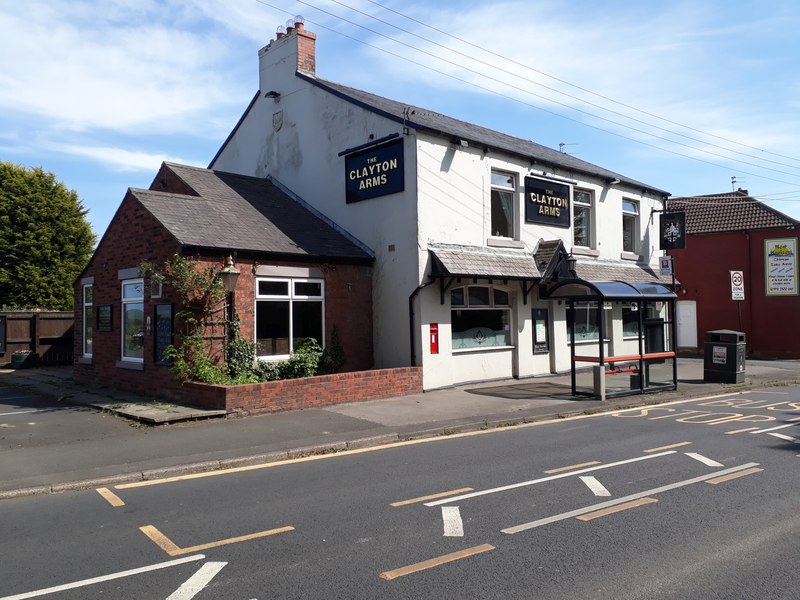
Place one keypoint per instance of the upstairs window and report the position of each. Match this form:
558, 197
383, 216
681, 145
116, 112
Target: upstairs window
630, 226
582, 218
503, 194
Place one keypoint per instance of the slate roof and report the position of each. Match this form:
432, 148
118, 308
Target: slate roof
732, 211
421, 118
454, 260
595, 270
236, 212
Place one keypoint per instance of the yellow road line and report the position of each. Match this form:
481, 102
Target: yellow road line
741, 430
569, 468
431, 497
112, 498
736, 475
435, 562
659, 449
615, 509
172, 549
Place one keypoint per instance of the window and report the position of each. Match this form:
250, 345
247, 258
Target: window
88, 320
582, 218
133, 320
480, 317
287, 311
503, 193
587, 325
630, 319
630, 226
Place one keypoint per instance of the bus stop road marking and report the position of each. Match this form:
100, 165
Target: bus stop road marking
435, 562
430, 497
731, 476
111, 497
173, 549
615, 509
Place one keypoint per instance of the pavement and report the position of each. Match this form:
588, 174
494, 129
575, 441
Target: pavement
90, 436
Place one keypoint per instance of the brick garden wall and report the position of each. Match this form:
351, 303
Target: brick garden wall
310, 392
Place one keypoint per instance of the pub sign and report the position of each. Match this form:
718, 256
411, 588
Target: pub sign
374, 172
547, 202
673, 230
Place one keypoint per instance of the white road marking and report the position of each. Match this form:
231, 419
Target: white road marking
609, 503
18, 412
598, 489
706, 461
776, 428
453, 526
102, 578
788, 438
544, 479
197, 582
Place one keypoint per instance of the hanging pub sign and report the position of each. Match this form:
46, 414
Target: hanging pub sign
547, 202
673, 230
374, 172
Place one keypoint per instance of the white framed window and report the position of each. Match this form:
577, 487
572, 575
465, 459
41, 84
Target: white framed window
88, 319
630, 225
583, 218
156, 289
288, 310
480, 317
504, 191
133, 320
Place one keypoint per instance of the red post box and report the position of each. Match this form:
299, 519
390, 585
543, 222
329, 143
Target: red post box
434, 338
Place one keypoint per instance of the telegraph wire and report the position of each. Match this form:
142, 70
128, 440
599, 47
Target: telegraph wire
523, 102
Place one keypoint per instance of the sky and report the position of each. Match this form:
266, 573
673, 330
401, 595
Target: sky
693, 97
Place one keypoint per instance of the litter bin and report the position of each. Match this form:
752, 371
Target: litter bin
724, 352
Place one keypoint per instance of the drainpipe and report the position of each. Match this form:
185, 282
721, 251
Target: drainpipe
411, 319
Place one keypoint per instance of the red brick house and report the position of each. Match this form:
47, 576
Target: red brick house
300, 275
729, 233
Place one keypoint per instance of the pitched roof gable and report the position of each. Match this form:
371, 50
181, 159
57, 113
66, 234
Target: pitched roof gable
732, 211
236, 212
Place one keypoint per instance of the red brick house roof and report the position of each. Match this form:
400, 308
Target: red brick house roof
732, 211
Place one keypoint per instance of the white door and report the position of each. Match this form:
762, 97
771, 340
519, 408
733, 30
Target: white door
687, 323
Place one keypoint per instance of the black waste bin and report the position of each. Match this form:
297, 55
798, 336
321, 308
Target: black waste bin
724, 356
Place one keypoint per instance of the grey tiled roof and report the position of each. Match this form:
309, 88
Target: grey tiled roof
488, 263
594, 270
235, 212
732, 211
545, 252
421, 118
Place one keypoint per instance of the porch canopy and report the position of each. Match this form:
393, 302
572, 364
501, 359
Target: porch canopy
656, 336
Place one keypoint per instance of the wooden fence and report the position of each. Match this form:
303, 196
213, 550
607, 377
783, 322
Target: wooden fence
47, 334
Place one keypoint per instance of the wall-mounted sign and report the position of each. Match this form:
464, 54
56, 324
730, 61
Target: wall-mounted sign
780, 269
737, 285
541, 325
673, 230
374, 172
547, 202
104, 319
665, 266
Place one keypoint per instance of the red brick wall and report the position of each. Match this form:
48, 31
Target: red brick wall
292, 394
771, 323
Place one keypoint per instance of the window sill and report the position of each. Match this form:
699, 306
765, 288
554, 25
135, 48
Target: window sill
85, 360
133, 365
630, 256
486, 349
585, 251
502, 242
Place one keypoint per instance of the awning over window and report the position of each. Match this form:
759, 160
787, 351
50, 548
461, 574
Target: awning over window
451, 260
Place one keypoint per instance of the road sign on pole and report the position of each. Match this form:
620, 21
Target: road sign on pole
737, 285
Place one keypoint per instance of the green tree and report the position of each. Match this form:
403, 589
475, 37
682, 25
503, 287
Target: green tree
45, 239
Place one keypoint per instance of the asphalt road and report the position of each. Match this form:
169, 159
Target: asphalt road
689, 500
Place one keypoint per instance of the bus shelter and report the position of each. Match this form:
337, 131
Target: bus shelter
622, 336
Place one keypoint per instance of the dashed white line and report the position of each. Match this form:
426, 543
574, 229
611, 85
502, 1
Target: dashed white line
706, 461
453, 525
197, 582
778, 427
609, 503
543, 479
598, 489
18, 412
788, 438
102, 578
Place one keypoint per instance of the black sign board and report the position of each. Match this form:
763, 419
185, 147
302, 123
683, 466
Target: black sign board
2, 335
374, 172
547, 202
163, 336
673, 230
104, 320
541, 326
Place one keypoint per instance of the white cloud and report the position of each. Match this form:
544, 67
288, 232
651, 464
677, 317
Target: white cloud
122, 160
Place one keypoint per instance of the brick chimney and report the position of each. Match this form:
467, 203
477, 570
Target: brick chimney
292, 41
